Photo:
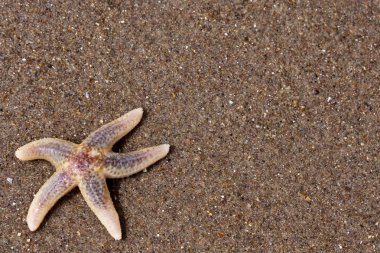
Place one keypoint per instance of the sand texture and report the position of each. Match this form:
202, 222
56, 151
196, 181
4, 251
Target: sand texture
272, 110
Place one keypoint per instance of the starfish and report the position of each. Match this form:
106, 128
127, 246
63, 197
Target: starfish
87, 165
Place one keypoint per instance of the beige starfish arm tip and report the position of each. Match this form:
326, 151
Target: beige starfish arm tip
20, 154
35, 216
139, 110
110, 221
135, 114
32, 224
26, 152
165, 149
159, 152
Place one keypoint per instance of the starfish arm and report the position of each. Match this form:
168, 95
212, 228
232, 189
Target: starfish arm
122, 165
53, 150
106, 136
58, 185
94, 190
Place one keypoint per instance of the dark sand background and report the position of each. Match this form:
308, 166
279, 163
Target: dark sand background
271, 108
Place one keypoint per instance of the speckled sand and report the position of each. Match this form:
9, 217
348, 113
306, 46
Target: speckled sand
272, 111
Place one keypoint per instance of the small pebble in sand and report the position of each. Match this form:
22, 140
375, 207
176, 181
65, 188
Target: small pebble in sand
10, 180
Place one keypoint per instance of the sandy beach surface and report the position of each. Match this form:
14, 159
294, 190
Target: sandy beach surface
272, 110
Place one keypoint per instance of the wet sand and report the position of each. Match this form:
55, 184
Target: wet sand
272, 111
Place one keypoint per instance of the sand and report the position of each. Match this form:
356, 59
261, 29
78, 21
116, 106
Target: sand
272, 110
